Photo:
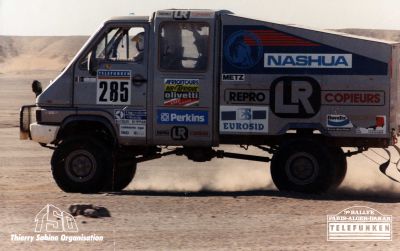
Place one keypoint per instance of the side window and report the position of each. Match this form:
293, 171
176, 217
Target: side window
119, 44
183, 46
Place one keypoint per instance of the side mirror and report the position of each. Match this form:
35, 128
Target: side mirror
92, 63
36, 87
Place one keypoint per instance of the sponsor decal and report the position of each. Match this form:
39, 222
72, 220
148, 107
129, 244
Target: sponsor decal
164, 14
239, 53
201, 14
378, 128
244, 46
353, 97
359, 223
55, 225
246, 96
233, 77
182, 117
250, 119
181, 92
130, 116
181, 14
338, 122
132, 130
179, 133
199, 133
295, 60
132, 123
274, 38
295, 97
162, 133
113, 87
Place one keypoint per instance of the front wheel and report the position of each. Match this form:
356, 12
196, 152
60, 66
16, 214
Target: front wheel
81, 165
122, 174
303, 165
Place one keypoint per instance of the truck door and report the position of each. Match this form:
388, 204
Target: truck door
184, 90
111, 80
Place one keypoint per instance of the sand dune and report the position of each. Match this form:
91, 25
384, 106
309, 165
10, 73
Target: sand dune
24, 54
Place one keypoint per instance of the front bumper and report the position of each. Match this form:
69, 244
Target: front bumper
45, 134
30, 129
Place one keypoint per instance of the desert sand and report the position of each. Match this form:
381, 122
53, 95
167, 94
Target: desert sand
172, 204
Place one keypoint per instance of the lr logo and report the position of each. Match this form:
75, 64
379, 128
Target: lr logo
181, 14
179, 133
52, 219
295, 97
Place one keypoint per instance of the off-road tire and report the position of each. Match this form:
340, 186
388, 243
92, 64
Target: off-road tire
81, 165
303, 165
341, 166
122, 174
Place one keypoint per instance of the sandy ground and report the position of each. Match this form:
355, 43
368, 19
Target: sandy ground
174, 204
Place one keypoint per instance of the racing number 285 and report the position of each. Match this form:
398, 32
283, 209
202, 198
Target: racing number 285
113, 92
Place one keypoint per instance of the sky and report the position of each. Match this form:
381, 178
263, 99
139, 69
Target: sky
82, 17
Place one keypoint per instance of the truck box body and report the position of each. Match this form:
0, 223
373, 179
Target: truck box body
342, 85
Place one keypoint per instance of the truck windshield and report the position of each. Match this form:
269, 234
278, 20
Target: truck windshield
119, 44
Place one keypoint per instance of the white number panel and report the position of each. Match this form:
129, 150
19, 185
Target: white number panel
113, 87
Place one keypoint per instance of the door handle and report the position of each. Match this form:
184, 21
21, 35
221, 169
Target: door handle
138, 79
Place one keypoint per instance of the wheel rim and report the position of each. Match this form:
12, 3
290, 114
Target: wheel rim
80, 165
302, 168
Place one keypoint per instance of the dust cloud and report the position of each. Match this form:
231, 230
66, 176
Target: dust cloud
177, 174
364, 177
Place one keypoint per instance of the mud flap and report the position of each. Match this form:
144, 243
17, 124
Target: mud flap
384, 166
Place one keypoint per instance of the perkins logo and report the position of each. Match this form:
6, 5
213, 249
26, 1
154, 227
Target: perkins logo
182, 117
294, 60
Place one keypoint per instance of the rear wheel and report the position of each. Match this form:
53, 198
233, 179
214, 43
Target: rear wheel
81, 165
303, 165
340, 163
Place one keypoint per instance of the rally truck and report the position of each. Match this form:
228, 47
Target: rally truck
185, 82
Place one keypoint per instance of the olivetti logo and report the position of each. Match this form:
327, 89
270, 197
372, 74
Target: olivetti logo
295, 97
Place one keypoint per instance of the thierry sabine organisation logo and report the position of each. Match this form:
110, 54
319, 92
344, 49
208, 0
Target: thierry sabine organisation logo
53, 224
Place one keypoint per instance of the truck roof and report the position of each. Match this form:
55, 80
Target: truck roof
323, 31
128, 18
198, 13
